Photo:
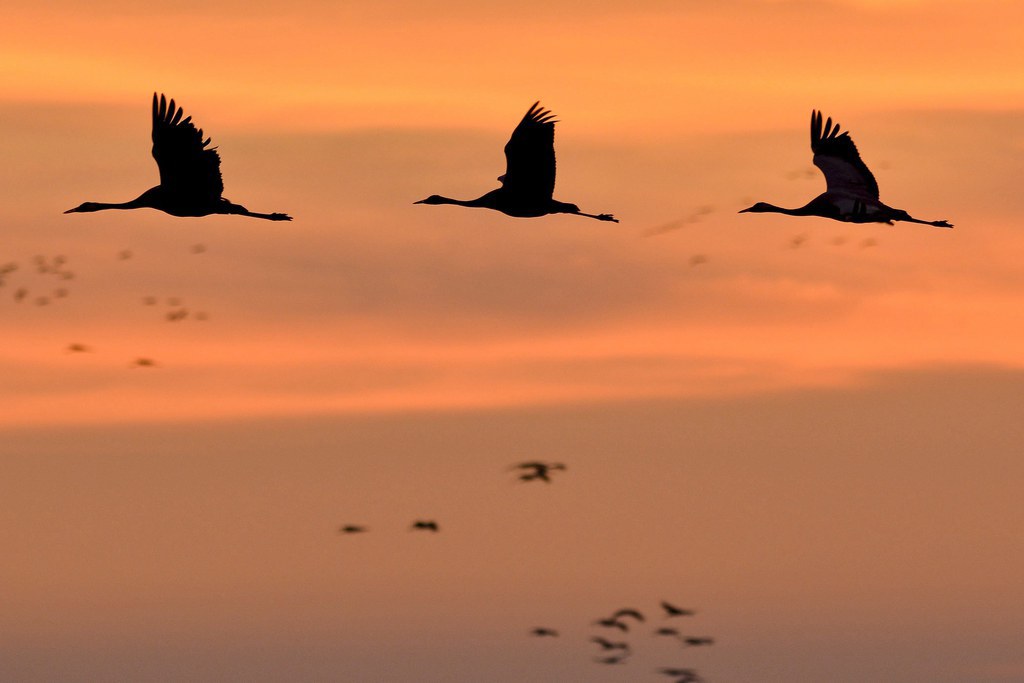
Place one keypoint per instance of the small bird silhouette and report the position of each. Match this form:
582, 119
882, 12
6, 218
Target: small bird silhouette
611, 622
851, 191
667, 631
544, 632
541, 470
697, 641
614, 659
143, 363
176, 315
673, 611
529, 181
78, 348
627, 612
190, 179
682, 675
609, 645
352, 529
425, 525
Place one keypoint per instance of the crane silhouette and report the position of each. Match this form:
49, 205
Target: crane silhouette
609, 645
681, 675
529, 181
190, 179
542, 632
541, 470
673, 611
612, 622
851, 191
628, 612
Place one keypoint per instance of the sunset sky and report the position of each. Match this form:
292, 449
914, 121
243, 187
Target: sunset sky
807, 431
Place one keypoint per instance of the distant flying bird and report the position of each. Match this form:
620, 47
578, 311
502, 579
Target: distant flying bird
190, 179
632, 613
673, 611
681, 675
78, 348
544, 632
352, 529
541, 470
143, 363
667, 631
851, 192
693, 217
609, 645
529, 181
176, 315
425, 525
695, 641
614, 659
612, 623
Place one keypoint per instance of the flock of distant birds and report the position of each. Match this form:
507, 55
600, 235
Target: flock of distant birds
534, 470
56, 266
191, 185
610, 651
613, 652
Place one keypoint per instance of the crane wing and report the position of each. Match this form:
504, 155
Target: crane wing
837, 157
187, 166
530, 156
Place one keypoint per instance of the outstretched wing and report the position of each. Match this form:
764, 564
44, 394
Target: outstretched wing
837, 157
187, 166
530, 156
628, 613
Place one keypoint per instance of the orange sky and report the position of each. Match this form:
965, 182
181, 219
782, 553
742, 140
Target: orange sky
818, 421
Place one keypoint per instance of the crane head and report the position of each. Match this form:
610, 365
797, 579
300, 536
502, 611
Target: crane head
85, 207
